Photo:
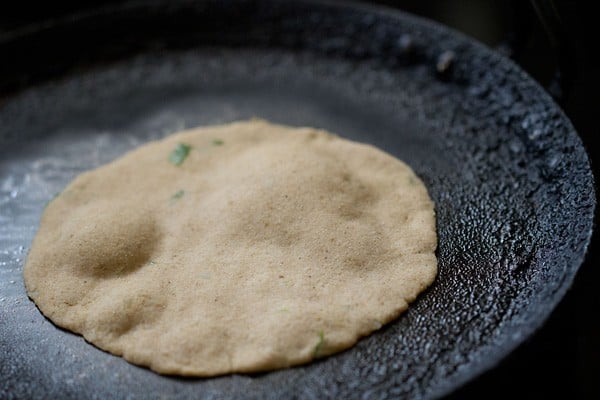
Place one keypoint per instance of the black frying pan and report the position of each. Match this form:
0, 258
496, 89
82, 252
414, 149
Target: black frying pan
510, 179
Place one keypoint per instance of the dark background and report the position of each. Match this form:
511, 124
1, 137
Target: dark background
556, 43
558, 49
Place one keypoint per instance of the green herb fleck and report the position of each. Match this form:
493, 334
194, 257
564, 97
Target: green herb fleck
283, 309
52, 199
180, 153
320, 344
152, 262
179, 194
217, 142
206, 275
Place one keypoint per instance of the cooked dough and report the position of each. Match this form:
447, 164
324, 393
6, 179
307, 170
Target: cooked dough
235, 248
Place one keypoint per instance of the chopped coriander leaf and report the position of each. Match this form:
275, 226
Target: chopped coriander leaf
217, 142
319, 345
52, 199
179, 194
206, 275
179, 154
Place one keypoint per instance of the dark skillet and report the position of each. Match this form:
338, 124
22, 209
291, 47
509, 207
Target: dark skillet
510, 179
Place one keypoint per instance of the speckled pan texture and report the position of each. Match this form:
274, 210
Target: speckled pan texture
510, 179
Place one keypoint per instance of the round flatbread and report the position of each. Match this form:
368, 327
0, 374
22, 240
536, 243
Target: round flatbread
235, 248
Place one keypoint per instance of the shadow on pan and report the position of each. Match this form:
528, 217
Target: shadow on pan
510, 179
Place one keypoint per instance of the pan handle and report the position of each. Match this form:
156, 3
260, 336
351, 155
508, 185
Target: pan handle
548, 13
521, 35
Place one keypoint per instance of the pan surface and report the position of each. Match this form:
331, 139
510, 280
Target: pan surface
508, 174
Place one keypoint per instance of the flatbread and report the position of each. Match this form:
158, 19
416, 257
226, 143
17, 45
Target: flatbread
235, 248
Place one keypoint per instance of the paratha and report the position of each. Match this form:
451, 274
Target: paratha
242, 247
